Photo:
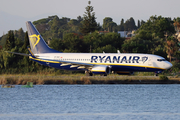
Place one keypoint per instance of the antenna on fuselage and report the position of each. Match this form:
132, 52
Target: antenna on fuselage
118, 51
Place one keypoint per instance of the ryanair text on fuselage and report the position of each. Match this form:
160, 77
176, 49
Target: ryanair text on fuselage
118, 59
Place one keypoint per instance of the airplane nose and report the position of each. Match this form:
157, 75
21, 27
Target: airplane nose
168, 65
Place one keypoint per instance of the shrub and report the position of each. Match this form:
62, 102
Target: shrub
163, 77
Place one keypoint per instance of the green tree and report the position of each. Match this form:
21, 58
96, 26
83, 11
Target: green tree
139, 24
113, 39
3, 40
159, 50
130, 25
142, 22
177, 24
42, 28
150, 38
92, 41
109, 25
73, 22
57, 44
1, 59
136, 45
96, 42
19, 34
55, 24
107, 49
73, 42
79, 19
26, 42
121, 26
171, 46
89, 24
10, 41
26, 63
157, 26
106, 22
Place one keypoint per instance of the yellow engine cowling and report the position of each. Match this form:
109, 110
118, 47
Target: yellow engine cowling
101, 69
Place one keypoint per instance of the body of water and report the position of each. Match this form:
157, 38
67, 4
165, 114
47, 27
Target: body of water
91, 102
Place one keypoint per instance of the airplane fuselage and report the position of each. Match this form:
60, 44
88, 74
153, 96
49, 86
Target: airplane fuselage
92, 63
117, 62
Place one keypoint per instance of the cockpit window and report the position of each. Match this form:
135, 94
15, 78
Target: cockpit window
161, 60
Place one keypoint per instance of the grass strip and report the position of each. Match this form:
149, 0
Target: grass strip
81, 79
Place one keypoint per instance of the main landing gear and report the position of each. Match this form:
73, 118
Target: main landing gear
156, 74
103, 74
88, 73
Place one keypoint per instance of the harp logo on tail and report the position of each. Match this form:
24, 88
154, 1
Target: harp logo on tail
34, 39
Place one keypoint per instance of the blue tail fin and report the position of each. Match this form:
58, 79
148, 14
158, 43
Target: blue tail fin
37, 43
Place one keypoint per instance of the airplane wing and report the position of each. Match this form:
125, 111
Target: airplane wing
77, 64
72, 64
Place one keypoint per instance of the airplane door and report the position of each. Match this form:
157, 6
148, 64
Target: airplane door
150, 62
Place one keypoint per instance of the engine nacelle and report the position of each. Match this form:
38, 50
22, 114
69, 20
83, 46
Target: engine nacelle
125, 72
101, 69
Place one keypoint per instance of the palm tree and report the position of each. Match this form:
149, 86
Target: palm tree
177, 24
171, 46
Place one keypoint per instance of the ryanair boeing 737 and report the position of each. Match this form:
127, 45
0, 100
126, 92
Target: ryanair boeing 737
92, 63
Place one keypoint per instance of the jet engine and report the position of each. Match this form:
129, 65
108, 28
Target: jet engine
101, 69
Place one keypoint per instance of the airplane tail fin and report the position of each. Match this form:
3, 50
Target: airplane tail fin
37, 43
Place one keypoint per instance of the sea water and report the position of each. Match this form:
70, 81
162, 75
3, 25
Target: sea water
91, 102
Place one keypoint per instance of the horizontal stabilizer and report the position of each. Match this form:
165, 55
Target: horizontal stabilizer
31, 54
23, 54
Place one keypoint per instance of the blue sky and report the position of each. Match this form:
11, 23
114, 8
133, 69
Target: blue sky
14, 13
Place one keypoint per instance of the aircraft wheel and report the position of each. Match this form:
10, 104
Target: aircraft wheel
156, 74
90, 74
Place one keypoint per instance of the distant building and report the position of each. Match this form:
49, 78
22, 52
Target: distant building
126, 34
123, 33
103, 32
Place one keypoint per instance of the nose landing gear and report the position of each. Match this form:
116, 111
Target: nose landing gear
157, 73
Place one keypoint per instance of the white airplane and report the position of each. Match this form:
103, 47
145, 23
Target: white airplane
92, 63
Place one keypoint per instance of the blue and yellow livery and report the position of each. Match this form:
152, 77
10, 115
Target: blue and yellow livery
92, 63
